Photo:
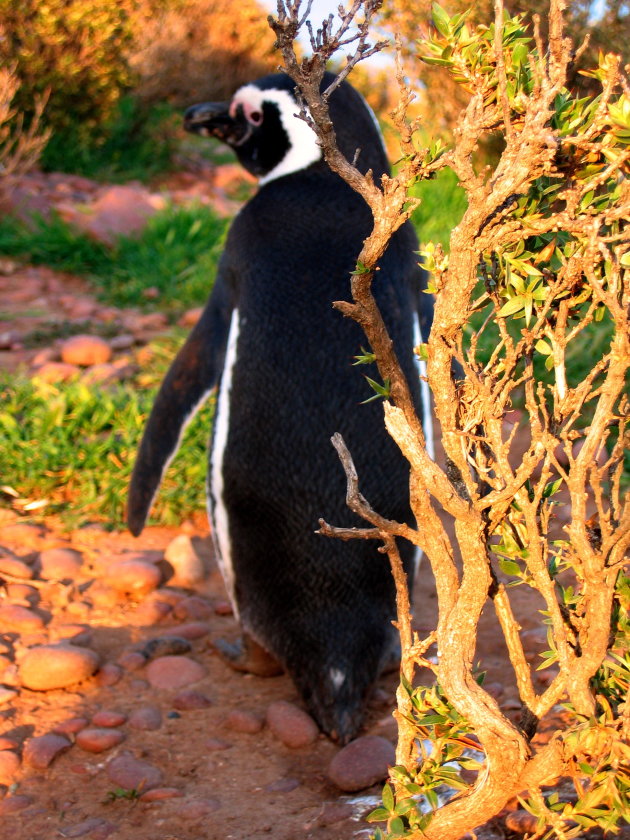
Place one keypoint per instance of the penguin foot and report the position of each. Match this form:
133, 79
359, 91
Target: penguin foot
245, 654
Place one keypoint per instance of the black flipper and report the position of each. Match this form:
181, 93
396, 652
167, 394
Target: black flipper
191, 377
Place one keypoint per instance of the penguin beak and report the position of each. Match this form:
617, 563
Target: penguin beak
213, 119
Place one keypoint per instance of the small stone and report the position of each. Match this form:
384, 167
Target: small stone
520, 821
102, 596
132, 660
41, 751
106, 718
223, 608
70, 726
60, 564
166, 646
242, 720
334, 812
8, 743
133, 577
195, 809
150, 612
173, 672
147, 718
189, 700
9, 767
101, 373
77, 634
190, 317
85, 350
109, 674
291, 725
122, 342
494, 689
27, 533
193, 608
362, 763
20, 619
282, 786
217, 744
131, 773
23, 592
56, 372
56, 666
191, 630
13, 804
43, 356
187, 565
97, 828
97, 740
16, 568
158, 794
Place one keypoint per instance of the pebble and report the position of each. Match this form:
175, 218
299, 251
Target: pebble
186, 701
8, 743
13, 804
282, 785
192, 630
334, 812
77, 634
133, 577
522, 822
109, 674
195, 809
193, 608
9, 767
291, 725
362, 763
15, 567
56, 372
97, 828
173, 672
187, 565
146, 718
56, 666
150, 612
122, 342
60, 564
23, 592
21, 619
27, 533
190, 317
242, 720
41, 751
166, 646
108, 718
132, 660
105, 372
85, 350
70, 726
158, 794
97, 740
223, 608
216, 744
101, 595
131, 773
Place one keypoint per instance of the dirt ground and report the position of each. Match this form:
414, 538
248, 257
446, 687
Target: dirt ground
215, 781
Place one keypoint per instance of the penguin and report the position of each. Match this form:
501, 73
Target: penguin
282, 361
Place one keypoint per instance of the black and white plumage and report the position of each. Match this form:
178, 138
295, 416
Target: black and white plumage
282, 359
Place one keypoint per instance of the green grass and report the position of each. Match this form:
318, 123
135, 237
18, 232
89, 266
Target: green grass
177, 253
71, 448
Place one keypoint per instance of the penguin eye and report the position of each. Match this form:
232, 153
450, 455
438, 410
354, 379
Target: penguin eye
255, 117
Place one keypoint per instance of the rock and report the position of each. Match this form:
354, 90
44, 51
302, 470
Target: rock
41, 751
85, 350
520, 821
223, 608
132, 660
56, 372
242, 720
131, 773
70, 726
150, 612
166, 646
20, 619
173, 672
217, 744
146, 718
56, 666
282, 785
8, 743
158, 794
190, 317
9, 767
133, 577
97, 740
23, 592
334, 812
291, 725
189, 700
60, 564
106, 718
13, 804
195, 809
122, 342
191, 630
97, 828
78, 634
109, 674
27, 533
103, 596
194, 608
105, 372
188, 567
362, 763
16, 568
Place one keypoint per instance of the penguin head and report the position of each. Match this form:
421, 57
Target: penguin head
262, 125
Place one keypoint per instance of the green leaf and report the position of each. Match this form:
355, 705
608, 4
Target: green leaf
388, 797
361, 269
441, 20
541, 346
377, 815
513, 306
509, 567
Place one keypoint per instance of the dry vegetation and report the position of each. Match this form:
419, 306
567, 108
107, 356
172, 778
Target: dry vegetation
542, 251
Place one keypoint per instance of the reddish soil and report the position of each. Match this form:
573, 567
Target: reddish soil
254, 787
